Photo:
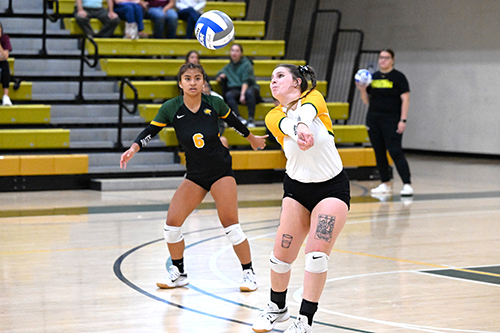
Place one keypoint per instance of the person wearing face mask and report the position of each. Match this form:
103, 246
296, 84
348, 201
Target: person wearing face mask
239, 85
316, 195
388, 97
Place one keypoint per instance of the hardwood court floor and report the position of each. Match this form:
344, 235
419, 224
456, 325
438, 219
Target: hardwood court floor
87, 261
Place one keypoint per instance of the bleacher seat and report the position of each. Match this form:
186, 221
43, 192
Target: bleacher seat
275, 159
180, 47
34, 139
25, 114
35, 165
170, 89
337, 110
170, 67
233, 9
23, 93
242, 29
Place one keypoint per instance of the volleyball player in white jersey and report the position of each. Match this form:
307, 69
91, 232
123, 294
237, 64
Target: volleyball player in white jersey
316, 194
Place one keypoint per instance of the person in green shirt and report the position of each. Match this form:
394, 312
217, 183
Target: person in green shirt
240, 86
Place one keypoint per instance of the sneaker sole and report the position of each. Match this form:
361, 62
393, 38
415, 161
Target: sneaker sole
269, 330
246, 289
166, 286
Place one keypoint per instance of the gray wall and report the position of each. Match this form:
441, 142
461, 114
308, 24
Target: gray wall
450, 52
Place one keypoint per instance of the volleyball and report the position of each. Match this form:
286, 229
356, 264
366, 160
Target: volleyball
214, 29
363, 77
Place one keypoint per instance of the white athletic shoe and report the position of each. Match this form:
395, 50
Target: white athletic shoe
300, 325
269, 317
249, 281
381, 189
174, 279
6, 100
407, 190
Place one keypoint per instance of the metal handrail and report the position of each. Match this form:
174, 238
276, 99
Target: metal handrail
86, 60
121, 106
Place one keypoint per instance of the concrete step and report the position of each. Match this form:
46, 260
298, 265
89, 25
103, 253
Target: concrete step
59, 67
136, 184
53, 46
102, 87
140, 159
106, 138
25, 6
72, 96
31, 25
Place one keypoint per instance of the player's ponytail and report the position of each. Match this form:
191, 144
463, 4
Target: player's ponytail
302, 73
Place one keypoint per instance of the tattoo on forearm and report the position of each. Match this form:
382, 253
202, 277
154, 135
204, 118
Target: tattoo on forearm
324, 230
286, 241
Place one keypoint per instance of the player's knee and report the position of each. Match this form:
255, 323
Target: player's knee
235, 234
316, 262
279, 266
172, 234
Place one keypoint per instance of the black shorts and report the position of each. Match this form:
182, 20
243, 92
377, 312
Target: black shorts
207, 180
310, 194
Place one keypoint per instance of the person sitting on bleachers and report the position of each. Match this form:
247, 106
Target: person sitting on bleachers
189, 11
87, 9
239, 86
5, 48
161, 13
131, 11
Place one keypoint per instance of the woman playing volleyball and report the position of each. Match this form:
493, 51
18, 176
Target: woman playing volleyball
316, 194
208, 163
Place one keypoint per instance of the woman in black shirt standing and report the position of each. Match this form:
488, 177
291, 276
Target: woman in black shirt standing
388, 97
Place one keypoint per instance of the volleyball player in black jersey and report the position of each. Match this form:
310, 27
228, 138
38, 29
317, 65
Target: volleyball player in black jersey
194, 117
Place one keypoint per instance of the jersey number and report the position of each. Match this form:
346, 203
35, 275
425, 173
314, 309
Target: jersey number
198, 140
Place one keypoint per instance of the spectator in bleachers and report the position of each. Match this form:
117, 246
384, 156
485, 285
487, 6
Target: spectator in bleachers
193, 57
5, 48
239, 85
189, 11
87, 9
162, 14
131, 11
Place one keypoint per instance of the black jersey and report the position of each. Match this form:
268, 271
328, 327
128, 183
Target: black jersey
198, 132
385, 92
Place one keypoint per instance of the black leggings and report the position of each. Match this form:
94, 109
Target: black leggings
383, 136
4, 66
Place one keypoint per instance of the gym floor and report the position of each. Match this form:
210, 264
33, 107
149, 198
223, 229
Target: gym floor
87, 261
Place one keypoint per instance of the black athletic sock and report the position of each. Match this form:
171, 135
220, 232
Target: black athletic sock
279, 298
247, 266
308, 309
179, 263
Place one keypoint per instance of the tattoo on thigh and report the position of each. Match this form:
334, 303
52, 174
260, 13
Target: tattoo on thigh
324, 230
286, 241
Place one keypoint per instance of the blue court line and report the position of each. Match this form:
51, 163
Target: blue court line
121, 277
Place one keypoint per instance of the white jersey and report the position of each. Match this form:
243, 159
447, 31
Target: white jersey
322, 161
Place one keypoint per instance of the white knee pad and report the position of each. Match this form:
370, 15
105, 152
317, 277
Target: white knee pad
316, 262
277, 265
235, 234
172, 234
